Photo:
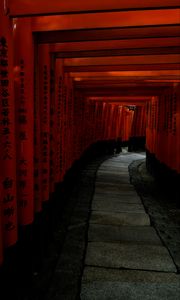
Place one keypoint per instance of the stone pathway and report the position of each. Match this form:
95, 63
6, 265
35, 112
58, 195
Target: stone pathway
125, 258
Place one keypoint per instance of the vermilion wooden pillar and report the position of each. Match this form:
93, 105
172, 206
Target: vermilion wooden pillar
58, 118
178, 130
174, 148
24, 106
53, 124
38, 199
8, 197
43, 97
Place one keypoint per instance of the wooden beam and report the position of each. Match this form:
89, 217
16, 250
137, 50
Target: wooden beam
60, 36
127, 74
46, 7
120, 52
117, 44
124, 60
138, 67
121, 19
103, 92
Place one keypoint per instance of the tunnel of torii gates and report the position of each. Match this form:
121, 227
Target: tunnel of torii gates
74, 73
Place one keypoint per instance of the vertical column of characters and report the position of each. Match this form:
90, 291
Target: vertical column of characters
111, 122
154, 133
115, 122
76, 127
68, 84
159, 127
72, 118
102, 129
68, 114
78, 118
67, 121
101, 119
174, 143
104, 120
144, 120
97, 118
178, 128
64, 128
134, 123
89, 130
169, 129
44, 102
1, 232
141, 120
61, 132
92, 121
82, 124
125, 124
150, 124
122, 123
108, 120
161, 139
138, 121
61, 124
37, 141
24, 106
1, 236
165, 129
58, 109
86, 123
53, 125
147, 125
118, 121
7, 134
130, 120
128, 123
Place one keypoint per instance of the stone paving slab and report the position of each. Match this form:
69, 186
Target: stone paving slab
91, 274
118, 179
115, 206
113, 170
113, 180
130, 234
103, 186
121, 255
103, 284
113, 174
120, 198
124, 219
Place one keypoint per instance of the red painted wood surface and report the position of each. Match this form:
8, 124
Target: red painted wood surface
7, 134
44, 115
24, 105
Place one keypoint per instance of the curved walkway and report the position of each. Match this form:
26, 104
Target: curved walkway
125, 257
